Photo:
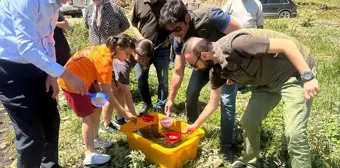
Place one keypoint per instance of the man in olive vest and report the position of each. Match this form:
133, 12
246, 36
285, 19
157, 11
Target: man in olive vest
210, 23
279, 66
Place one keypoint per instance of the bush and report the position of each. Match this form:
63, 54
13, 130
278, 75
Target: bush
77, 36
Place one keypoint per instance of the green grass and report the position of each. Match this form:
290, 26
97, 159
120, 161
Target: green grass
327, 2
324, 122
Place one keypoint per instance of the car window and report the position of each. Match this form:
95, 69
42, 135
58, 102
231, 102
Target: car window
274, 1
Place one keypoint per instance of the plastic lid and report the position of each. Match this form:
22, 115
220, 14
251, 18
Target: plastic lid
99, 99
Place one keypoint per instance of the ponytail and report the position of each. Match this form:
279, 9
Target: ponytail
122, 40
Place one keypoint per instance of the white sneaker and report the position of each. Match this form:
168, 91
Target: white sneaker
96, 159
101, 143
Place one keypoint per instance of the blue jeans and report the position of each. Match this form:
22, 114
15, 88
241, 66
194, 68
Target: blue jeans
161, 62
197, 81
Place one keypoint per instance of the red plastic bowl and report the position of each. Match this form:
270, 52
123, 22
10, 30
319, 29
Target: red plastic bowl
148, 118
172, 136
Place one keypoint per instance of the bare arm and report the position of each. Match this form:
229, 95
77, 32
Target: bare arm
128, 99
287, 47
63, 24
177, 77
310, 88
113, 101
211, 107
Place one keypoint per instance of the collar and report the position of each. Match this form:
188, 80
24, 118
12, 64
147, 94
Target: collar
222, 59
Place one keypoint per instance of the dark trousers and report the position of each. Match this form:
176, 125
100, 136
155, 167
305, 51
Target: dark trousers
161, 63
33, 112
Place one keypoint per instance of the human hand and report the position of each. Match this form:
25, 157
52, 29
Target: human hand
310, 89
168, 107
51, 82
74, 82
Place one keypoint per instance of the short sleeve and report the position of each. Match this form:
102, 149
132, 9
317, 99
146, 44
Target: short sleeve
104, 74
178, 45
250, 46
104, 69
215, 80
219, 19
122, 72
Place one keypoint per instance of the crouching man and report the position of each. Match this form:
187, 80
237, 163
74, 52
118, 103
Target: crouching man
279, 66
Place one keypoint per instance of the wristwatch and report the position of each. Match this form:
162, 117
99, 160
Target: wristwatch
307, 76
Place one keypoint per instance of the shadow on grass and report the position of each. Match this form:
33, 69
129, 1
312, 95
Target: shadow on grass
136, 96
181, 107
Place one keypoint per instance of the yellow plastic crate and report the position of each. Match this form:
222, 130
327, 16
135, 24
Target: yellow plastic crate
157, 154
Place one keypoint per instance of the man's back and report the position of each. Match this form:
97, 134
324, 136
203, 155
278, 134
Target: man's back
246, 12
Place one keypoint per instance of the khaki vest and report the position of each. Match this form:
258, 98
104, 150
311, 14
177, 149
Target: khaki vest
264, 69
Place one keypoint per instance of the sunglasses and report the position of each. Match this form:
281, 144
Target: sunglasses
195, 64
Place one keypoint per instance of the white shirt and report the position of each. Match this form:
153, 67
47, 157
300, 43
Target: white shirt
26, 33
247, 12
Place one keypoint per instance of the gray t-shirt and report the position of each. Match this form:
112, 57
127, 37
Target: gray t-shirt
121, 71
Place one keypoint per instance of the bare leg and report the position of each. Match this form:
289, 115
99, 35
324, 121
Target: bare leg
96, 121
87, 131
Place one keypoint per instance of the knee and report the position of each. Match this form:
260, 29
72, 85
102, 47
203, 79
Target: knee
29, 143
296, 136
163, 80
248, 123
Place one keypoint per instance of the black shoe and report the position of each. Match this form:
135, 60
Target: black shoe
144, 109
120, 121
228, 153
109, 128
239, 164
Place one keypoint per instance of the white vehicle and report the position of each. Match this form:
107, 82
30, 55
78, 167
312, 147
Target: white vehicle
74, 7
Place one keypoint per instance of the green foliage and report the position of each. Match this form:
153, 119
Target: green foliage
324, 122
77, 36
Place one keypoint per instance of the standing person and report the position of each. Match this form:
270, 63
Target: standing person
279, 66
62, 49
248, 13
28, 84
95, 64
210, 23
145, 16
104, 18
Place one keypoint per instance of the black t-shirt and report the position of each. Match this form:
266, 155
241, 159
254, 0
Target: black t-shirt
146, 15
62, 48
